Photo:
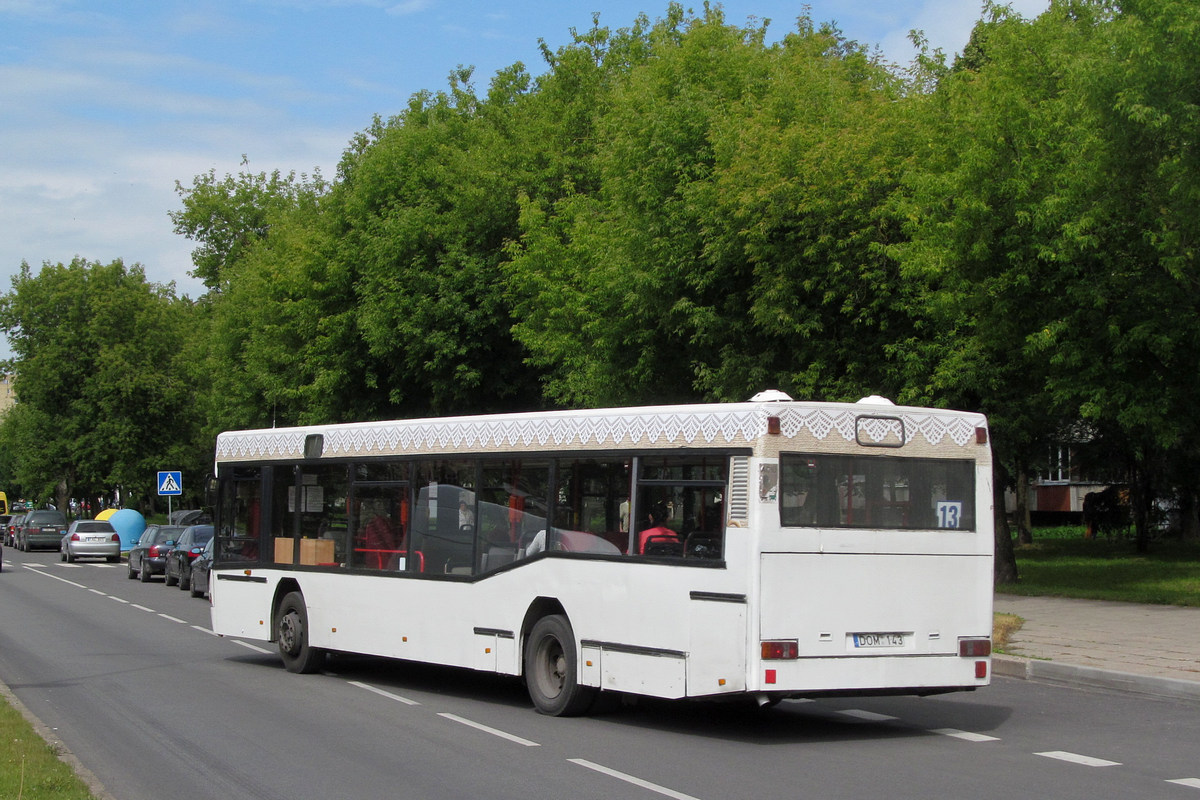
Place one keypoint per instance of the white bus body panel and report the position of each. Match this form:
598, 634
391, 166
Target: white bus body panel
634, 644
659, 629
823, 600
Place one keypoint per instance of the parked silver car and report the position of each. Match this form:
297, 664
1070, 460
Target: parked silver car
91, 538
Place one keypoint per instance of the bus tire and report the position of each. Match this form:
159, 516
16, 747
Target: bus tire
552, 669
291, 635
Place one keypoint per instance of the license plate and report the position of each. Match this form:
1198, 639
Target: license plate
878, 639
93, 538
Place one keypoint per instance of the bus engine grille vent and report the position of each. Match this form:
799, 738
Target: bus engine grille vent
739, 489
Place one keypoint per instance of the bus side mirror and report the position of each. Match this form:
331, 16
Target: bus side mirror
210, 491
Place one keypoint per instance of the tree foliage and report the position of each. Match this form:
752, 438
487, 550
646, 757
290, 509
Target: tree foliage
685, 209
101, 401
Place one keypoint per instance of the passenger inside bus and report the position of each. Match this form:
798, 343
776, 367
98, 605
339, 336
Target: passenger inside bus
658, 539
379, 542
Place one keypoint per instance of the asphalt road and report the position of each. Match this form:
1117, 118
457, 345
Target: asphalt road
131, 680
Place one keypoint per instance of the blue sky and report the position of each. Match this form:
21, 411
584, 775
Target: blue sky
105, 104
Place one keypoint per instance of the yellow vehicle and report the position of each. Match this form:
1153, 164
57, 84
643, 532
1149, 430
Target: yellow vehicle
3, 503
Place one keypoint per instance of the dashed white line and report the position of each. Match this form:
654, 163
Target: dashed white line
382, 693
39, 570
869, 716
1194, 783
1076, 758
493, 731
966, 736
654, 787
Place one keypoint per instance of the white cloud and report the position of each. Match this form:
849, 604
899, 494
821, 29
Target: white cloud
947, 24
408, 7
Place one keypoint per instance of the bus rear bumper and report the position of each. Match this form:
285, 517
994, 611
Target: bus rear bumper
933, 674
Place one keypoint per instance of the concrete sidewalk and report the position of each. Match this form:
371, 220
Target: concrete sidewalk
1123, 646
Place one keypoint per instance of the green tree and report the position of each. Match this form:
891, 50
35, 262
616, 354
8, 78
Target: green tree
1124, 349
102, 403
735, 239
227, 216
606, 279
999, 134
799, 215
425, 204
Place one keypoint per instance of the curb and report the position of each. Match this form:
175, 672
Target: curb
83, 773
1093, 678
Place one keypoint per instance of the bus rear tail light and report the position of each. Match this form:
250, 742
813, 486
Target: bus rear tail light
780, 650
974, 648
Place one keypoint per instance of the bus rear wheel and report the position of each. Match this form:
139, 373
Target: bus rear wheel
291, 635
552, 669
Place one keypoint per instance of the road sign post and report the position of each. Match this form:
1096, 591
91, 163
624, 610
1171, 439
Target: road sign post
170, 484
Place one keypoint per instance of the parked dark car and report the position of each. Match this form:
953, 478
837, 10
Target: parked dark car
41, 528
178, 569
149, 556
91, 538
190, 516
10, 529
4, 518
201, 566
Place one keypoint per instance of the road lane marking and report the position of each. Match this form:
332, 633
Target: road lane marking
1194, 783
869, 716
203, 629
173, 619
249, 646
493, 731
38, 570
97, 591
1075, 758
382, 693
144, 608
654, 787
966, 736
119, 599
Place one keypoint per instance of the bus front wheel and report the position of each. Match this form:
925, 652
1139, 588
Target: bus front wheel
291, 634
552, 669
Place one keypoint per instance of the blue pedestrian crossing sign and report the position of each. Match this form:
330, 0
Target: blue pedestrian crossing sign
170, 483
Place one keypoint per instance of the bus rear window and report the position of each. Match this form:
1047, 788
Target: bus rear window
881, 492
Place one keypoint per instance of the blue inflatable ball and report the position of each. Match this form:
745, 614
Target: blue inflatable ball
129, 524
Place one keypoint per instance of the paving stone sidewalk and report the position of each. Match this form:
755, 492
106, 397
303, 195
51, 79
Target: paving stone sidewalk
1146, 648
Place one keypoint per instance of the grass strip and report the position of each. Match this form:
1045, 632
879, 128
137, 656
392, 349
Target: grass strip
1062, 563
32, 768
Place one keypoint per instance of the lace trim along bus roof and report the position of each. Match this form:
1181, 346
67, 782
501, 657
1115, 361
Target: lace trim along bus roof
726, 424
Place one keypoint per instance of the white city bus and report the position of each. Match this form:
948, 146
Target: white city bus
767, 549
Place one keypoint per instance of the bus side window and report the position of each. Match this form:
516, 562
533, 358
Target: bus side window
511, 510
591, 512
680, 506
